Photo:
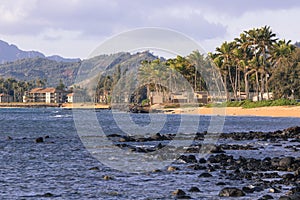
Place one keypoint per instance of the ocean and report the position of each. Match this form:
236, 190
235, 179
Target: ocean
62, 167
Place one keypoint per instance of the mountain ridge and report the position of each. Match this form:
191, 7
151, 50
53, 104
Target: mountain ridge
11, 53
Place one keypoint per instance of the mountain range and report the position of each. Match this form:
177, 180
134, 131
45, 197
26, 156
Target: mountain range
10, 52
32, 65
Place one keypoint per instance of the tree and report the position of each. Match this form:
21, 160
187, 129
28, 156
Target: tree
61, 85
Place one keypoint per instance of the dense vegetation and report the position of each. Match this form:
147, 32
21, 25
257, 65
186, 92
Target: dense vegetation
17, 88
258, 61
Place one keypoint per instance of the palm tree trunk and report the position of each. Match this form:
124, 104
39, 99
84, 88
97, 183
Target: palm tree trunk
257, 85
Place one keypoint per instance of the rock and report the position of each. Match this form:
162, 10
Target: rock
194, 189
172, 168
286, 162
39, 140
202, 160
47, 136
274, 190
9, 138
248, 189
266, 197
231, 192
205, 175
94, 168
160, 146
48, 194
106, 177
220, 183
291, 197
179, 192
188, 159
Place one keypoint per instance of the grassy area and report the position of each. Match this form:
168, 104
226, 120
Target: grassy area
257, 104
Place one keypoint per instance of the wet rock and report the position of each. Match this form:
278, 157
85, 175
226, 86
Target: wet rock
202, 160
205, 175
39, 140
291, 197
94, 168
286, 162
248, 189
180, 194
220, 183
231, 192
197, 167
194, 189
47, 136
188, 159
266, 197
172, 168
9, 138
106, 177
48, 194
274, 190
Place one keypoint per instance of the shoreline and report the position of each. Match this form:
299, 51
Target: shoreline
272, 111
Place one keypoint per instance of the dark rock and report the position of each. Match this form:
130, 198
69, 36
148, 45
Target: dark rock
94, 168
248, 189
197, 167
202, 160
286, 162
39, 140
231, 192
205, 175
106, 177
266, 197
295, 196
188, 159
220, 183
275, 190
47, 136
9, 138
48, 194
172, 168
179, 192
194, 189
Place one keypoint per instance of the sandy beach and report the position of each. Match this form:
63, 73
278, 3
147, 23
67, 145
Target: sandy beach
275, 111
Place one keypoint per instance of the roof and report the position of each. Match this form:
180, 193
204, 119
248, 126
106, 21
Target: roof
70, 94
45, 90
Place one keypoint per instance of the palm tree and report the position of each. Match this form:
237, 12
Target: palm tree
197, 60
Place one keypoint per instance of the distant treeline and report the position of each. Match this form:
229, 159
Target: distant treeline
17, 88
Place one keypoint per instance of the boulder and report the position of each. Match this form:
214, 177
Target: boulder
194, 189
205, 175
39, 140
231, 192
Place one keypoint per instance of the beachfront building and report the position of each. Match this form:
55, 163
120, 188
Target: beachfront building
45, 95
5, 98
179, 97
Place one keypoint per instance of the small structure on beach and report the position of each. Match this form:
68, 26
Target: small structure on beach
5, 98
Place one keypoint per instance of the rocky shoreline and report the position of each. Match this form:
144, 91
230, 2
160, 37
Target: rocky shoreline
265, 177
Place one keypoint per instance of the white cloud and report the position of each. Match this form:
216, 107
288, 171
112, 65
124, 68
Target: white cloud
57, 26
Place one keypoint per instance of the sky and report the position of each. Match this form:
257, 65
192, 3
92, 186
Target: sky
74, 28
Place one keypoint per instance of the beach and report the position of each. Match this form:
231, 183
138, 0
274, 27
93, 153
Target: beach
274, 111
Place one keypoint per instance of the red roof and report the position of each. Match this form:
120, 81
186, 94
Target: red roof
45, 90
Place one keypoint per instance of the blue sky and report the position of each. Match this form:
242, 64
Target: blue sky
74, 28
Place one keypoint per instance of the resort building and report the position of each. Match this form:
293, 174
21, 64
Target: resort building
45, 95
5, 98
